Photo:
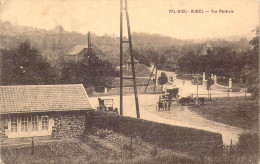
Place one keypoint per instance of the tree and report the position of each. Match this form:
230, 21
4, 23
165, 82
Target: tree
162, 60
72, 73
250, 71
25, 65
53, 44
163, 79
189, 62
92, 72
44, 43
209, 83
248, 144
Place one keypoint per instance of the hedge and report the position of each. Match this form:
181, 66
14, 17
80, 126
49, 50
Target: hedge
190, 140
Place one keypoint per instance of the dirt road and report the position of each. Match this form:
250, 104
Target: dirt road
179, 115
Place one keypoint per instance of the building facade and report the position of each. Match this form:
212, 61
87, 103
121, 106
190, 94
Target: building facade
56, 111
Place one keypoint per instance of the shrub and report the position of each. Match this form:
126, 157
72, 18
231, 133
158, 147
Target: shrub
248, 144
103, 133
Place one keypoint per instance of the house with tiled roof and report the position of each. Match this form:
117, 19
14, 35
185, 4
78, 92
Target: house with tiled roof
78, 51
57, 111
206, 48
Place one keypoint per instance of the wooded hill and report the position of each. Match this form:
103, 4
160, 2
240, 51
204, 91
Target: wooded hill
54, 43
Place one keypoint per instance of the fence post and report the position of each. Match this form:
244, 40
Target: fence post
238, 106
131, 146
210, 96
245, 94
228, 94
32, 152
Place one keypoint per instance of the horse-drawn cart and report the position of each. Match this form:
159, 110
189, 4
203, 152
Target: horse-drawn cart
106, 105
166, 100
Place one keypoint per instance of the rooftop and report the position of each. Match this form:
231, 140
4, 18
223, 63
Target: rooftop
129, 60
76, 49
43, 98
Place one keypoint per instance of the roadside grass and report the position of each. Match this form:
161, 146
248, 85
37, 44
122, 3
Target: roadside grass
58, 152
93, 150
226, 110
236, 86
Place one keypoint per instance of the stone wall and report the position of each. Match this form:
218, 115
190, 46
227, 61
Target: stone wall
3, 127
68, 125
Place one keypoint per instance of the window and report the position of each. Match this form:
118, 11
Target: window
28, 126
24, 124
34, 123
44, 122
14, 121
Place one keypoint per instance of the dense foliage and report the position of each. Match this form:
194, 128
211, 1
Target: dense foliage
228, 63
163, 79
92, 72
25, 65
53, 43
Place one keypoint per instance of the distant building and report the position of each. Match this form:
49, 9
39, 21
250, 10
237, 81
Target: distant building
77, 53
128, 63
207, 48
57, 111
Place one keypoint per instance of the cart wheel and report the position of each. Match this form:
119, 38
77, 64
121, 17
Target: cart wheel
199, 102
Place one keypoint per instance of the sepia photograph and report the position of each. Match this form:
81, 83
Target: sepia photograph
129, 81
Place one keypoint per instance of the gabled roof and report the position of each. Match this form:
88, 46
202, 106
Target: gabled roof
129, 60
43, 98
209, 45
76, 49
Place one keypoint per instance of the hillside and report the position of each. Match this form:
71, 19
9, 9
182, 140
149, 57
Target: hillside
54, 43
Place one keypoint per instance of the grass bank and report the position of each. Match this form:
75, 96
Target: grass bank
226, 111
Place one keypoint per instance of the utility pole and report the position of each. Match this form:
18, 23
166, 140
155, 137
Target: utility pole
155, 74
89, 56
89, 45
149, 78
197, 95
121, 58
129, 41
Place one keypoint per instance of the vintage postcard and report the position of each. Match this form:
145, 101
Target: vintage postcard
129, 81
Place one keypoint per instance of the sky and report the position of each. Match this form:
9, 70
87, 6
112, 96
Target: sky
151, 16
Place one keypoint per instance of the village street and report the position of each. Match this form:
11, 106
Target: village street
178, 115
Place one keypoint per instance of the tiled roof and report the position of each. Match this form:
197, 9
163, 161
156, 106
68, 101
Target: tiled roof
43, 98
